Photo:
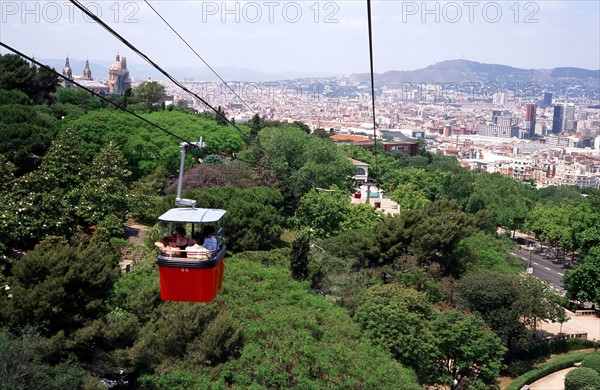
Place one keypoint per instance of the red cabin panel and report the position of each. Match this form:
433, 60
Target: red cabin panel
190, 284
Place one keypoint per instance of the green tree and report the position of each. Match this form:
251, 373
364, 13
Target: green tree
301, 162
357, 246
151, 93
326, 348
24, 366
583, 283
484, 251
26, 132
435, 231
322, 212
200, 334
253, 219
221, 116
464, 349
61, 287
103, 196
147, 148
16, 73
299, 257
509, 207
509, 304
255, 125
397, 319
409, 197
37, 83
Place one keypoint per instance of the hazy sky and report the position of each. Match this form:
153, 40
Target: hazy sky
329, 37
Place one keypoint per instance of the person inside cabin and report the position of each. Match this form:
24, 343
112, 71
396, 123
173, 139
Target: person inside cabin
167, 246
210, 242
181, 240
198, 251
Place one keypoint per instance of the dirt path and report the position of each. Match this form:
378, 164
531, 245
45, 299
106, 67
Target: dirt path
135, 234
555, 381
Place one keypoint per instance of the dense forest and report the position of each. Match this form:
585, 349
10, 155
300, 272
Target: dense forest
317, 293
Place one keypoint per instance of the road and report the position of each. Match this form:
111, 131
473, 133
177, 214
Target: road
543, 268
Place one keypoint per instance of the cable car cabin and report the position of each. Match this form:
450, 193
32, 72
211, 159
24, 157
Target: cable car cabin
188, 275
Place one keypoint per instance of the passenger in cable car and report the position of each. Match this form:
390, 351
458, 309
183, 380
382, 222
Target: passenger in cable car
210, 242
198, 251
181, 240
167, 247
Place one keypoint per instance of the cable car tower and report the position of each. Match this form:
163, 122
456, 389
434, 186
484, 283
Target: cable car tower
191, 273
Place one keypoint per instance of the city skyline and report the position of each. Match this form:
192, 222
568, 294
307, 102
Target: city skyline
315, 38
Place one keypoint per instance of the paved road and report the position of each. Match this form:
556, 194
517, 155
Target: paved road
554, 381
543, 268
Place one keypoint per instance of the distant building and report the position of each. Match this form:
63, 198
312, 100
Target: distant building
408, 147
569, 124
118, 77
87, 72
502, 125
530, 115
547, 102
564, 118
84, 80
362, 171
67, 74
500, 98
558, 119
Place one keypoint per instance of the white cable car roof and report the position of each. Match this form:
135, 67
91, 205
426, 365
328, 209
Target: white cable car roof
189, 215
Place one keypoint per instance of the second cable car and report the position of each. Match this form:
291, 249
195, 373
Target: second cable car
193, 274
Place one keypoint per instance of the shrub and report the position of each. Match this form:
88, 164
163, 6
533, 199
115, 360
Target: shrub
562, 346
542, 370
519, 367
592, 361
582, 379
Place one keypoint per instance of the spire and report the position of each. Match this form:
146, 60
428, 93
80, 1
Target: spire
67, 74
87, 72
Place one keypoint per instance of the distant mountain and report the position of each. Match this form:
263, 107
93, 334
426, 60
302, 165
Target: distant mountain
452, 71
461, 71
141, 72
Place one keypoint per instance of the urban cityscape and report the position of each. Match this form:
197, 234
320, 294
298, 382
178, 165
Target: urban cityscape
300, 194
543, 134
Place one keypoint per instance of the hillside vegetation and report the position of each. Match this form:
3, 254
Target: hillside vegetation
355, 299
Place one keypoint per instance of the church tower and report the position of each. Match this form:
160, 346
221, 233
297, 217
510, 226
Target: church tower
118, 77
68, 74
87, 72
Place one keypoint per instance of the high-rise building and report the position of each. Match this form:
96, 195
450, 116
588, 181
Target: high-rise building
569, 124
547, 102
530, 114
495, 115
558, 119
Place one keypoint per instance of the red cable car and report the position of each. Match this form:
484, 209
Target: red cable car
191, 277
194, 273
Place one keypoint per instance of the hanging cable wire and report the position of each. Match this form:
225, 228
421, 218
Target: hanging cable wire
218, 113
90, 14
32, 60
198, 55
372, 82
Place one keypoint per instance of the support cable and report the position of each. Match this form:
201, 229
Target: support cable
198, 55
372, 82
95, 94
